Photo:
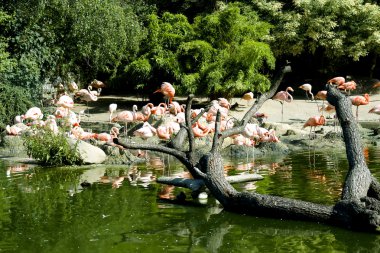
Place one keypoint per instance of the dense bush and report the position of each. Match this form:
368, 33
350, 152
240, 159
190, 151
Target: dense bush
13, 101
51, 149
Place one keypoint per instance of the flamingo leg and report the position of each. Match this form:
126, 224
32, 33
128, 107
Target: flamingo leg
253, 152
282, 111
126, 130
357, 113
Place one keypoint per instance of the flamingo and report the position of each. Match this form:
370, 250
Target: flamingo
250, 131
175, 108
94, 92
260, 116
282, 96
73, 87
359, 100
198, 132
314, 122
126, 116
51, 124
248, 97
97, 84
87, 96
108, 137
164, 132
167, 90
328, 108
339, 80
224, 103
78, 133
322, 95
111, 109
33, 113
307, 88
159, 110
375, 109
66, 102
146, 131
16, 129
377, 84
351, 85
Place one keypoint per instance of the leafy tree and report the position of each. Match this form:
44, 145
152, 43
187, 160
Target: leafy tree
241, 53
13, 101
339, 31
222, 53
70, 39
6, 64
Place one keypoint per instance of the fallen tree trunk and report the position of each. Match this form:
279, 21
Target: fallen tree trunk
358, 208
196, 184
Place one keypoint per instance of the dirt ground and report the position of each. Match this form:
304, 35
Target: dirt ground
296, 112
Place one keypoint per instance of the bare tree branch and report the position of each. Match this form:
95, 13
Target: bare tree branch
258, 103
181, 156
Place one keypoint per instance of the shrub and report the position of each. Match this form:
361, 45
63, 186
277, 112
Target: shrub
51, 149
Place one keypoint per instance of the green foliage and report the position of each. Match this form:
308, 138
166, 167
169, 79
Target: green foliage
98, 34
240, 53
340, 28
13, 101
223, 53
51, 149
6, 64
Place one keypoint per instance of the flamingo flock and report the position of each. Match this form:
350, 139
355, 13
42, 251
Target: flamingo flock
171, 114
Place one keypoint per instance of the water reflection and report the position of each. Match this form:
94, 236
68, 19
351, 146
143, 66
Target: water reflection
48, 210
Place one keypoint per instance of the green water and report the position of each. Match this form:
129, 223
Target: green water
47, 210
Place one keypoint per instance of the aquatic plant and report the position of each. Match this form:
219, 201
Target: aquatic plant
49, 148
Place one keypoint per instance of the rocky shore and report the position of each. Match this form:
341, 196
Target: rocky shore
292, 136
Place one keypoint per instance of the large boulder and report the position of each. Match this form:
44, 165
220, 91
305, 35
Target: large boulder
88, 153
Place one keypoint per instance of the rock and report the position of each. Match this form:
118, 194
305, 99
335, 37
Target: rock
12, 145
88, 153
289, 132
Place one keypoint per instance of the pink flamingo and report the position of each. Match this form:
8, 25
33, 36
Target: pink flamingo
250, 131
142, 115
126, 117
159, 110
224, 103
16, 129
167, 90
35, 115
282, 96
51, 124
359, 100
78, 133
175, 108
321, 95
314, 122
347, 86
164, 132
339, 80
198, 132
87, 96
146, 131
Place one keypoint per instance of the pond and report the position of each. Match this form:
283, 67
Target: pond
92, 209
